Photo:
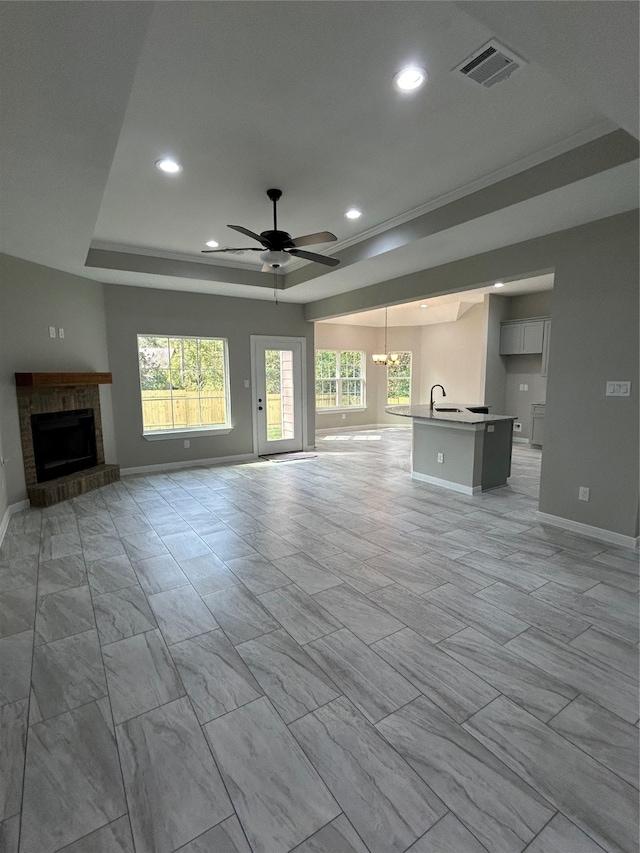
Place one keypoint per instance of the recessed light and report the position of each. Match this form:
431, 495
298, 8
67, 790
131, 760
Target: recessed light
353, 213
410, 78
424, 306
498, 284
212, 244
168, 165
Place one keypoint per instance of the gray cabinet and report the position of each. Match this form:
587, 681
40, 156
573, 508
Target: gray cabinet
519, 337
537, 423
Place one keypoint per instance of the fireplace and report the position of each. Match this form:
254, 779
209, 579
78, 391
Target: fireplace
61, 434
63, 443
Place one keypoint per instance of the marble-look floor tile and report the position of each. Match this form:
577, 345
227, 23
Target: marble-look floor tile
226, 837
358, 613
374, 687
174, 790
606, 737
589, 676
54, 546
562, 836
412, 610
355, 572
257, 573
227, 545
476, 613
113, 838
100, 546
450, 571
182, 546
140, 675
306, 573
277, 794
614, 651
215, 677
64, 613
269, 544
452, 687
504, 570
542, 614
18, 573
66, 673
13, 736
92, 525
417, 579
10, 834
604, 806
385, 800
159, 573
110, 574
360, 547
181, 614
313, 546
335, 837
618, 599
15, 666
501, 810
448, 836
122, 614
207, 573
72, 781
539, 693
290, 678
17, 610
145, 545
299, 613
239, 613
612, 619
129, 525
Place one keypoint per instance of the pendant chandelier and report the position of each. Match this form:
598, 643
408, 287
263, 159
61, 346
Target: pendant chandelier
386, 357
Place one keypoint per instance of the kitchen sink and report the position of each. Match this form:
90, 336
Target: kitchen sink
444, 409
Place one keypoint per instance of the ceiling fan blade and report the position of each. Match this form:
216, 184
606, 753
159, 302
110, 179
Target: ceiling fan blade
232, 249
248, 233
311, 256
310, 239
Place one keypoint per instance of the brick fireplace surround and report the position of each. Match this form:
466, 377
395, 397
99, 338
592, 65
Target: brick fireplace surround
39, 393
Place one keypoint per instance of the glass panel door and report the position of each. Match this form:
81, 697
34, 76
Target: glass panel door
277, 366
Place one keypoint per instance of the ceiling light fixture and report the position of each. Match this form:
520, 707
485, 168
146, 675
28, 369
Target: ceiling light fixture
424, 305
169, 166
410, 78
498, 284
212, 244
386, 357
353, 213
275, 259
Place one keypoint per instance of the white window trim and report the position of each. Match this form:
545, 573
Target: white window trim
182, 432
339, 380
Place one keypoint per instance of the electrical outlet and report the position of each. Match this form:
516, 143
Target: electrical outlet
491, 428
618, 389
583, 493
52, 331
517, 427
187, 443
343, 416
440, 457
246, 383
61, 333
524, 387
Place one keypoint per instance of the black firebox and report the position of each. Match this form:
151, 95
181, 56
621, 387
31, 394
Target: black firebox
63, 443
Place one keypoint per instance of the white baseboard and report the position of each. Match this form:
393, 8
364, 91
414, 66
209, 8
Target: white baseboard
192, 463
519, 440
446, 484
598, 533
11, 509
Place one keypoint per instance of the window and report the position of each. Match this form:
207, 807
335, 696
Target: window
339, 379
399, 381
183, 383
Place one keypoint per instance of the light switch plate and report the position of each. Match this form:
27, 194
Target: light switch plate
618, 389
52, 331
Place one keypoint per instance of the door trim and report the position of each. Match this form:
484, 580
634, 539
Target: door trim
278, 340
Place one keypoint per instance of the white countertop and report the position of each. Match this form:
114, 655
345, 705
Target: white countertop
464, 417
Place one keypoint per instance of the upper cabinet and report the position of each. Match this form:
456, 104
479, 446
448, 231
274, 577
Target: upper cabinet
518, 337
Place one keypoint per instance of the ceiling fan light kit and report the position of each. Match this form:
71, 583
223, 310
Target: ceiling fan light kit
278, 247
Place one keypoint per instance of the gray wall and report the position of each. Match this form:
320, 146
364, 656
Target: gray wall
33, 298
495, 376
137, 310
590, 440
529, 305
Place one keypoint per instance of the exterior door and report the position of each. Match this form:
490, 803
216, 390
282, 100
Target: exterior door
278, 389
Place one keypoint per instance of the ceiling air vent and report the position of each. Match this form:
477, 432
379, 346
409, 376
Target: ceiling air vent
489, 65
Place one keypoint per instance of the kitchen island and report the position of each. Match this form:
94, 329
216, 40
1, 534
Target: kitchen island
458, 448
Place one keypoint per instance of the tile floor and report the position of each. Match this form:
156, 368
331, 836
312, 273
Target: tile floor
319, 656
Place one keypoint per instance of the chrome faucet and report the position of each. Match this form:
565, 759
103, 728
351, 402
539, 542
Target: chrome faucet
444, 394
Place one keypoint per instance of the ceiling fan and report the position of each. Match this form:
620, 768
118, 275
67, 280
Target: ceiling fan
278, 247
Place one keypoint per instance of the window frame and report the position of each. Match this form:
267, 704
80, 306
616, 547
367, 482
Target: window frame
361, 407
201, 430
399, 378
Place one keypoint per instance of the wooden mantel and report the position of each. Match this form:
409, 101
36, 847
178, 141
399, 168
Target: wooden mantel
49, 380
